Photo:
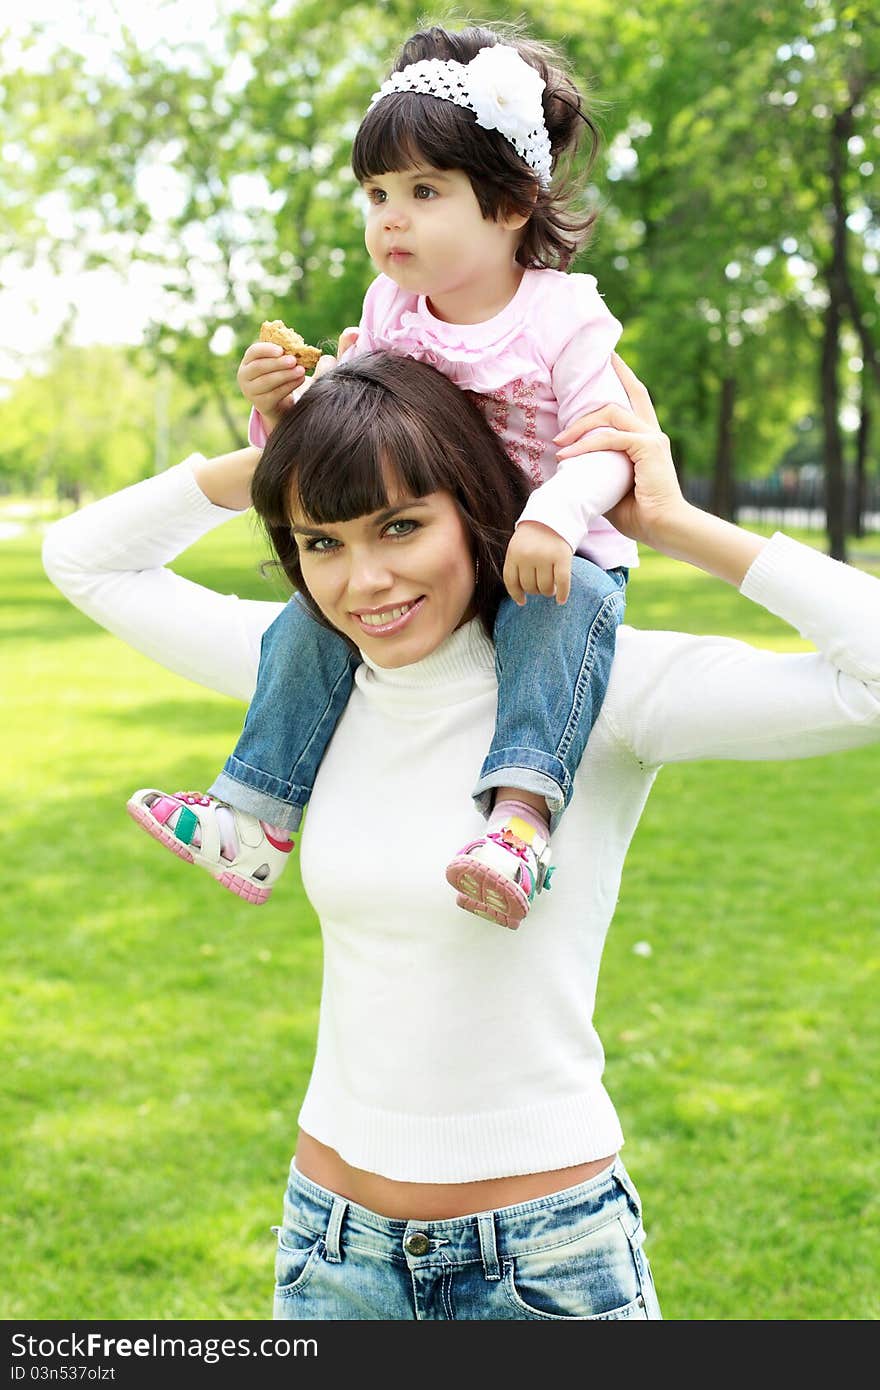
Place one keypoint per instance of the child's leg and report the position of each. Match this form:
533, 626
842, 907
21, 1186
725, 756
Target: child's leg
553, 664
239, 832
303, 684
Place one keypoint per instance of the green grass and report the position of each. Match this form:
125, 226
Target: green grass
157, 1034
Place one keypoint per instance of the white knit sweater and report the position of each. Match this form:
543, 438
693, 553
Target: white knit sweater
449, 1049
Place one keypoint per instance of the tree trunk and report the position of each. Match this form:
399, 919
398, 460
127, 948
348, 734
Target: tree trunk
237, 436
723, 501
835, 500
861, 480
835, 519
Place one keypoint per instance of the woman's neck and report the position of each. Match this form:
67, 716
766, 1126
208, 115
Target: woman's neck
478, 304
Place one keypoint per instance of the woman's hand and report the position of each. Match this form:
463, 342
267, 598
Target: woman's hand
655, 511
656, 498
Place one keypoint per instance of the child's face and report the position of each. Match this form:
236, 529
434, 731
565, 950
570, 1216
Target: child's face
426, 232
396, 582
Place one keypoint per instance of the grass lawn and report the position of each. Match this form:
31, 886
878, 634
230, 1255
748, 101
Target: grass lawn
157, 1034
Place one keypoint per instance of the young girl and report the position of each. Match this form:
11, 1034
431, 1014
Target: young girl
468, 216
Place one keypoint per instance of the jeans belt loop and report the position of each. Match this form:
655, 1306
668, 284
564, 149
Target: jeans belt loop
488, 1245
334, 1228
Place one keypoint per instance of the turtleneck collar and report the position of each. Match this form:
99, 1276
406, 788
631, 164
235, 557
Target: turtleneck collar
459, 668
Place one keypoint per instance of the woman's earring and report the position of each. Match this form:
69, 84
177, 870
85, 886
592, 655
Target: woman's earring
476, 571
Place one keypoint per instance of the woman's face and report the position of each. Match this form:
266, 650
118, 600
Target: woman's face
397, 582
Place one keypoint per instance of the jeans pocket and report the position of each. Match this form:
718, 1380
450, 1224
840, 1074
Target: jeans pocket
296, 1258
592, 1277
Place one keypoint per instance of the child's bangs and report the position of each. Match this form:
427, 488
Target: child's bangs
407, 130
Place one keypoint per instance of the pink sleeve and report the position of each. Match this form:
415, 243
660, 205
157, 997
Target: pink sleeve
583, 377
257, 433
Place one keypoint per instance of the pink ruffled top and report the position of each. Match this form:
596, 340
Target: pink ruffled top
535, 368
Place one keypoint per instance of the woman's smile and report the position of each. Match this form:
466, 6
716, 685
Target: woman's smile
389, 620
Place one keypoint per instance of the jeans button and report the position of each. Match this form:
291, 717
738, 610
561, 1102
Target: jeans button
417, 1243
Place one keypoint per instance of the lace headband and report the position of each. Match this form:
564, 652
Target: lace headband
500, 87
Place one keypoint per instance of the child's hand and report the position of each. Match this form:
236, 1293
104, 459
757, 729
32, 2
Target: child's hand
538, 561
268, 380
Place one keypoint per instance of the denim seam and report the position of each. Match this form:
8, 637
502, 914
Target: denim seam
612, 609
345, 676
277, 781
511, 1293
392, 1257
566, 1240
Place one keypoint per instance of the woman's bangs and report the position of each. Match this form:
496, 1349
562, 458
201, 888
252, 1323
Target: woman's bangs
365, 473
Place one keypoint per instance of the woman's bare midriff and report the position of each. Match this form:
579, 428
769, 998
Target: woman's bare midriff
422, 1201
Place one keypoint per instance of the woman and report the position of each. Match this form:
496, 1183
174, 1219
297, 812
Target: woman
458, 1153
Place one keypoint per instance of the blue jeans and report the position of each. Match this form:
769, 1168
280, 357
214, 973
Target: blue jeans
553, 663
575, 1255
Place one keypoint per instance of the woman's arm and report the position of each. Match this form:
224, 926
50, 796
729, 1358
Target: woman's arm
674, 697
111, 560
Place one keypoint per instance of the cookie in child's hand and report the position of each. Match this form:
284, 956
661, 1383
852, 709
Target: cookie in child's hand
275, 331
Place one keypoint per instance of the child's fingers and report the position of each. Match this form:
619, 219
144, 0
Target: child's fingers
258, 350
255, 367
270, 382
273, 400
512, 584
563, 582
545, 581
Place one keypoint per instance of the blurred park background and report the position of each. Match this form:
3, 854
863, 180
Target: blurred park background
174, 173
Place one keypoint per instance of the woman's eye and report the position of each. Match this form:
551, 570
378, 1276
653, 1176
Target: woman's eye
401, 527
320, 545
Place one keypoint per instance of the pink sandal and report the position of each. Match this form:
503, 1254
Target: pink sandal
499, 875
187, 824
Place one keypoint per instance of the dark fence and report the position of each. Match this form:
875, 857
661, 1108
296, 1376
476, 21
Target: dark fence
800, 503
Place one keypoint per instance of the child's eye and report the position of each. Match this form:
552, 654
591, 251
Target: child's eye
423, 192
375, 195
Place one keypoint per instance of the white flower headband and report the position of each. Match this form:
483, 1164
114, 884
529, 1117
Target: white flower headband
499, 86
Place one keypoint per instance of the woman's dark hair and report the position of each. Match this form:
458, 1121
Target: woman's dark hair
332, 453
406, 128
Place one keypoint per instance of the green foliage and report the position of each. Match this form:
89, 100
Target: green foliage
227, 165
94, 421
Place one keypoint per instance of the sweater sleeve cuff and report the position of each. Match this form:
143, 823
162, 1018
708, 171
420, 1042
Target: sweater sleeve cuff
834, 606
199, 506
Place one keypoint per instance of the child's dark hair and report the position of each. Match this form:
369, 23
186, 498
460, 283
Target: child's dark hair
332, 453
407, 127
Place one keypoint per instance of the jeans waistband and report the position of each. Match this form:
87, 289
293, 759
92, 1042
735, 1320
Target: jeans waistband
543, 1223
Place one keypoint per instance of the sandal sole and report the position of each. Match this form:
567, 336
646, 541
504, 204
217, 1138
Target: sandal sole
233, 882
487, 893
